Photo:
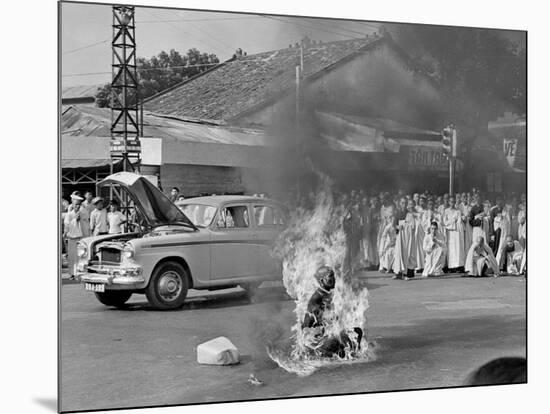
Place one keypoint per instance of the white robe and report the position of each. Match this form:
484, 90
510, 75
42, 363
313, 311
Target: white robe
502, 222
435, 250
522, 225
387, 245
420, 232
452, 219
468, 229
514, 260
385, 213
477, 257
486, 226
405, 245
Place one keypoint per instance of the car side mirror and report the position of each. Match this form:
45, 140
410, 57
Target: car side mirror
220, 222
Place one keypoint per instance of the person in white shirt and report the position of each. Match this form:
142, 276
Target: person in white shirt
85, 210
73, 232
98, 218
115, 219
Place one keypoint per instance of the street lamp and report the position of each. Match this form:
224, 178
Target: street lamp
125, 16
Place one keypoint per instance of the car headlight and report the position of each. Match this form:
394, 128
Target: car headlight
81, 249
128, 251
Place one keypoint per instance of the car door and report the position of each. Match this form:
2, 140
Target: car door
269, 221
233, 250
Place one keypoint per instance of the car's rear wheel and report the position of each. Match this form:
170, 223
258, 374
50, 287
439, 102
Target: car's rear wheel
116, 298
168, 286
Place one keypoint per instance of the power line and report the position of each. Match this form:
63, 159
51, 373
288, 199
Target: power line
312, 27
197, 20
187, 33
145, 69
352, 31
212, 37
85, 47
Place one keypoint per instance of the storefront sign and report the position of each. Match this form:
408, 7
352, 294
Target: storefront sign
426, 158
514, 152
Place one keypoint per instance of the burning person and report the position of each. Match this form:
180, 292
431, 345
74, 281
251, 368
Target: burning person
318, 341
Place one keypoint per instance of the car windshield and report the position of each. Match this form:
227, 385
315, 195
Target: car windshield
201, 215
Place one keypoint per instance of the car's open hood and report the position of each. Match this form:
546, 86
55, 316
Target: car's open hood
156, 208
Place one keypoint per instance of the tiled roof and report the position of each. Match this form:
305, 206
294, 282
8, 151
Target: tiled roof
237, 86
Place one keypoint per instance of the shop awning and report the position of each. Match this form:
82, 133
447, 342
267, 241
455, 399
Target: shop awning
87, 163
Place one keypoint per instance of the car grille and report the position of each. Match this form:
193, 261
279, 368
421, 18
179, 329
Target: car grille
109, 255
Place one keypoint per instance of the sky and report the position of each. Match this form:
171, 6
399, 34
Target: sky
86, 32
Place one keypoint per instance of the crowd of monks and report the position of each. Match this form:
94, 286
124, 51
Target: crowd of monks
425, 234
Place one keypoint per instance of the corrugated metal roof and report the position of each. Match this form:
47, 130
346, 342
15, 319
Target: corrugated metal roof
93, 121
83, 163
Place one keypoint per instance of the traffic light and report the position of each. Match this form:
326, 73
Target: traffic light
447, 141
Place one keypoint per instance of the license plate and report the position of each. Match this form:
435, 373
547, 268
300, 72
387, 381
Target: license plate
95, 287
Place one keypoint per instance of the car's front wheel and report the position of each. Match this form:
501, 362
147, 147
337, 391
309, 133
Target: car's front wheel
116, 298
168, 286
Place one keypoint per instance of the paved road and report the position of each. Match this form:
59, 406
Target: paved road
429, 333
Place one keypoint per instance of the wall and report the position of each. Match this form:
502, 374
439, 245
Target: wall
194, 180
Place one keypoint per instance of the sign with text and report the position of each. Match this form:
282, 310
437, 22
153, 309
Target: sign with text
133, 146
427, 158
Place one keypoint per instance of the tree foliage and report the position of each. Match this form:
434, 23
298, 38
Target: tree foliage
163, 71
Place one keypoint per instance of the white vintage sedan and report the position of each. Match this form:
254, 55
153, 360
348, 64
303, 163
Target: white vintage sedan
209, 243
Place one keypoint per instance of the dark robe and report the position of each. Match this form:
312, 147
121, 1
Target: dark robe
353, 232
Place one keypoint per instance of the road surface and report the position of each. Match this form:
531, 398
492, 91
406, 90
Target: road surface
428, 333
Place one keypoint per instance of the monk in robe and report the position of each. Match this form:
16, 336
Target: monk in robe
387, 209
405, 244
486, 220
522, 225
480, 260
511, 257
318, 341
435, 250
502, 225
386, 245
370, 225
475, 220
420, 232
352, 230
468, 229
494, 221
454, 226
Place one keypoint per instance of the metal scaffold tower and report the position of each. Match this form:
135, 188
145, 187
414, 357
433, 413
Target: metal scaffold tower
125, 143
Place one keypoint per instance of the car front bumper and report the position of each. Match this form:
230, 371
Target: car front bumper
112, 276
